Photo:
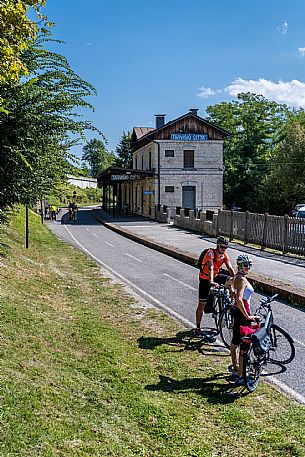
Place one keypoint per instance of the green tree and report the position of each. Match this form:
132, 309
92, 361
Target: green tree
97, 156
124, 151
16, 33
35, 133
285, 185
255, 124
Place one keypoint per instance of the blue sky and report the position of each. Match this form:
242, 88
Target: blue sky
146, 58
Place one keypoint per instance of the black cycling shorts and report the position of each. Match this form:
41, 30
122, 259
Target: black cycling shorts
239, 319
205, 286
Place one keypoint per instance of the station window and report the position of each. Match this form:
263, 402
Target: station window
169, 189
169, 153
188, 159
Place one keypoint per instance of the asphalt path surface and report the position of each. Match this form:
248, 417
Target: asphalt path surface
172, 285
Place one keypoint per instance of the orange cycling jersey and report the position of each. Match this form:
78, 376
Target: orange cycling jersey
217, 259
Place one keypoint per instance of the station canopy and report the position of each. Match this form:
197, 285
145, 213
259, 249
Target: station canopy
115, 175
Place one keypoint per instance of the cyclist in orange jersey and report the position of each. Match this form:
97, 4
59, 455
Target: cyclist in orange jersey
210, 262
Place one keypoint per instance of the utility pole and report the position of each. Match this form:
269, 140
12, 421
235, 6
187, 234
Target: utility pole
27, 226
41, 209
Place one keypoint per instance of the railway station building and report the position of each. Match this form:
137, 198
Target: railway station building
175, 164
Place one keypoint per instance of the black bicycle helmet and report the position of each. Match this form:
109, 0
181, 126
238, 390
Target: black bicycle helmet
223, 240
243, 259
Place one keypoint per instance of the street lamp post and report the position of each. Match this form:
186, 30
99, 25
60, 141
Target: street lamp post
41, 209
26, 226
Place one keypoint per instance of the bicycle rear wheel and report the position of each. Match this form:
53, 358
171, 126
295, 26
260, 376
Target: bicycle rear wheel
226, 323
251, 370
282, 349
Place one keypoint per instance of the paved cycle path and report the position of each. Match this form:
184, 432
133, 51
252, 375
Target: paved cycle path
271, 273
168, 284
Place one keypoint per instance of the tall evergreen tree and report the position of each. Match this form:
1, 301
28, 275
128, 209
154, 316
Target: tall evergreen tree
124, 151
97, 156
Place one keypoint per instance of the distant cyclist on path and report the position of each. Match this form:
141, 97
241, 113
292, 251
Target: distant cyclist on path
209, 263
72, 210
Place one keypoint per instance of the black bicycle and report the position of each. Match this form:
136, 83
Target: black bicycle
282, 350
73, 215
268, 344
221, 302
226, 323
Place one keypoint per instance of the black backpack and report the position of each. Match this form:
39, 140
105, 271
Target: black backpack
201, 257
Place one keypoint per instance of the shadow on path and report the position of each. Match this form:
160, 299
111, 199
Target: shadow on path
84, 217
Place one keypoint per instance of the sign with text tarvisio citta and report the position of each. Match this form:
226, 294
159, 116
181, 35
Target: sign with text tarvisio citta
123, 177
189, 136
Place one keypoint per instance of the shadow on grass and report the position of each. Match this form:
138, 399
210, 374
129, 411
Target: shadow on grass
208, 387
211, 387
185, 341
4, 250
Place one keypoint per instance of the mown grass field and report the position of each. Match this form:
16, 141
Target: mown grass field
86, 371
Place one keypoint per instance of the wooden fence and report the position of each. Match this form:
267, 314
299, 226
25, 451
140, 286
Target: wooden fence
283, 233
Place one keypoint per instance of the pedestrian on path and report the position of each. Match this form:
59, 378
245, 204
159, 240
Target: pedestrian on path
209, 263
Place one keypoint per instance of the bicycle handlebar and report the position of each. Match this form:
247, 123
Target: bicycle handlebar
266, 301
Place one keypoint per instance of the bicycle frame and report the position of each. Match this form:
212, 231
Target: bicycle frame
221, 300
221, 294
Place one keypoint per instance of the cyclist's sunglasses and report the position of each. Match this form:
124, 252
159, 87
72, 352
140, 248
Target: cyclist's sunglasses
223, 246
247, 265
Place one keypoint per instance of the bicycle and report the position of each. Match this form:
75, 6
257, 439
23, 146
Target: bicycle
265, 346
226, 323
221, 302
73, 215
281, 341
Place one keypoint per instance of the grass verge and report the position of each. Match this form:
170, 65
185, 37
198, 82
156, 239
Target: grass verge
86, 371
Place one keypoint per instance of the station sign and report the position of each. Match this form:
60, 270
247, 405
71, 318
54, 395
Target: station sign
189, 137
148, 192
124, 177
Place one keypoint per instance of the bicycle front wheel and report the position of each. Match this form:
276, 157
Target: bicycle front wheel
226, 323
282, 349
216, 312
251, 370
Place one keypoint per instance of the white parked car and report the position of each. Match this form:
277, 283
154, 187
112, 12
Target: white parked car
301, 212
296, 209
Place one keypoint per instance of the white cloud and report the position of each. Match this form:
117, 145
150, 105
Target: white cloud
283, 29
301, 52
206, 92
292, 92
